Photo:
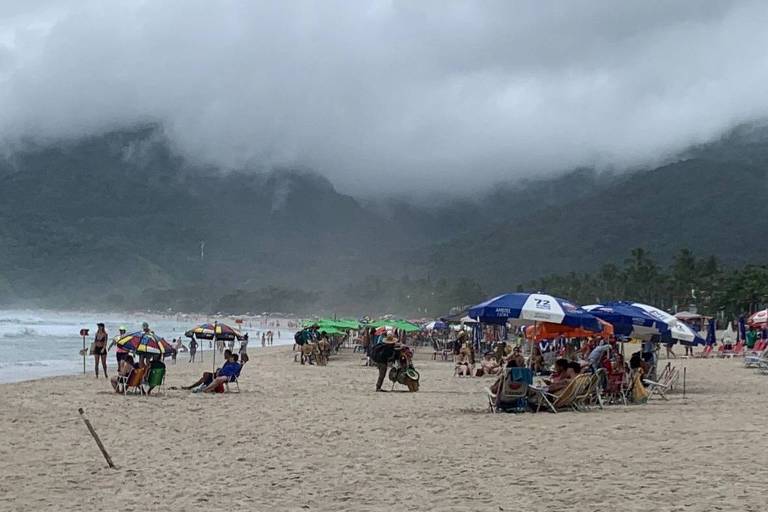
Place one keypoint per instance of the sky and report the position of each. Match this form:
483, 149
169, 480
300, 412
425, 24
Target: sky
390, 95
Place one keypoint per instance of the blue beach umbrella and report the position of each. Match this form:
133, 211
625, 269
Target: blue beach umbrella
536, 307
742, 329
643, 321
711, 336
437, 325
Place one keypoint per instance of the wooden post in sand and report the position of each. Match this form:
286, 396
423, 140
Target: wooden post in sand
684, 371
215, 348
96, 437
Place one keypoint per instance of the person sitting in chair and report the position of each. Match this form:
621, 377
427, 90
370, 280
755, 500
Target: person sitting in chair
561, 377
466, 360
537, 360
208, 377
516, 360
488, 366
227, 373
124, 370
156, 364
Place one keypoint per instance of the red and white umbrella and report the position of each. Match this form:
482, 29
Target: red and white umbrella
761, 317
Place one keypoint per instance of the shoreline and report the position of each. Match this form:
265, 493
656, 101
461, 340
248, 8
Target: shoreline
111, 365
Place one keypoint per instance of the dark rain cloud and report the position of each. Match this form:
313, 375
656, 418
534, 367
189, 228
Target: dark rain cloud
390, 94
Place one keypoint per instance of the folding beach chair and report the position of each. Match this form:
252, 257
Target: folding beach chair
664, 384
439, 350
565, 399
234, 382
737, 350
133, 384
155, 379
589, 396
122, 381
616, 387
513, 391
756, 359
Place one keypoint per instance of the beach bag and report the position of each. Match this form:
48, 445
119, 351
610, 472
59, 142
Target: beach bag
639, 393
300, 338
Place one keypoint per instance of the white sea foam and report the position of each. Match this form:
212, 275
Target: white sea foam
36, 344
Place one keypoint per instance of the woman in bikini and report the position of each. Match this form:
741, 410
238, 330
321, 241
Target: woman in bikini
100, 349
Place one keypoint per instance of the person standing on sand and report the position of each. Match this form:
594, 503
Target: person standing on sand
244, 346
383, 355
670, 353
120, 352
192, 349
144, 358
100, 348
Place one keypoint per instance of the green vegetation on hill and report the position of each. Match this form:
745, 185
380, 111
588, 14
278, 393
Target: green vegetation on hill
116, 221
689, 280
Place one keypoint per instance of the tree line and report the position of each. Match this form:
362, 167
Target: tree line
703, 282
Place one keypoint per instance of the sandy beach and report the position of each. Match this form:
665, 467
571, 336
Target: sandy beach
319, 438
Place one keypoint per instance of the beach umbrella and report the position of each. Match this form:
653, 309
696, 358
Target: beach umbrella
335, 324
400, 325
331, 331
436, 325
217, 331
144, 343
759, 318
536, 307
742, 336
546, 330
642, 321
711, 333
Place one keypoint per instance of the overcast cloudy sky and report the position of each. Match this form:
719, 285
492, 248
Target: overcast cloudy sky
390, 93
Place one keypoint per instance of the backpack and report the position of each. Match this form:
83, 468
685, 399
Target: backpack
383, 353
300, 337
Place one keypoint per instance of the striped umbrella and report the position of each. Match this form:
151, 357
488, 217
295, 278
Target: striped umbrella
208, 331
536, 307
642, 321
144, 343
759, 318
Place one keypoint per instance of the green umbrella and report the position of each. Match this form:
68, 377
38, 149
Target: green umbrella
331, 331
335, 324
401, 325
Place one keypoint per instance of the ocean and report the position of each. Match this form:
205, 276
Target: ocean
36, 344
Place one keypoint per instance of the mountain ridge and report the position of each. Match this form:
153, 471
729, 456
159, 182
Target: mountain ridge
121, 213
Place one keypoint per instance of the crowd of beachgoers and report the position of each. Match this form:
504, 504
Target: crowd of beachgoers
548, 364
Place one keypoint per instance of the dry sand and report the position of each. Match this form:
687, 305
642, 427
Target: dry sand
319, 438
